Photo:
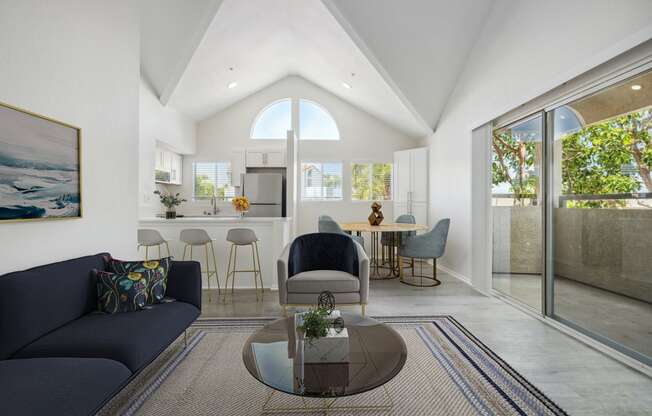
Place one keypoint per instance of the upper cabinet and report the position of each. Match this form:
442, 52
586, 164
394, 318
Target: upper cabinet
168, 167
265, 158
411, 183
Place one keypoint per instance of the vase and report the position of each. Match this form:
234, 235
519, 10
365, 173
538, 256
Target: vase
170, 214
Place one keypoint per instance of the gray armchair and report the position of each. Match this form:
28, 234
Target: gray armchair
316, 262
430, 245
326, 224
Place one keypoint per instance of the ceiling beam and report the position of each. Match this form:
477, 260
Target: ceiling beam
189, 50
375, 62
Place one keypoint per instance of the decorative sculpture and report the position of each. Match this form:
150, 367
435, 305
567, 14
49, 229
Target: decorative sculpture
376, 216
326, 301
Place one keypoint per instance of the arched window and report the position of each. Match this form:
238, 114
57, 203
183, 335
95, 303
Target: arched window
315, 123
274, 121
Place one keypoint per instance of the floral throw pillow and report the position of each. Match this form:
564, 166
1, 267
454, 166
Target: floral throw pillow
120, 292
156, 271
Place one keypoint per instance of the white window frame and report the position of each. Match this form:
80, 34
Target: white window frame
298, 122
370, 163
302, 188
194, 174
260, 114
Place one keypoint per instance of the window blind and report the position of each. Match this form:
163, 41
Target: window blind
212, 178
371, 181
321, 181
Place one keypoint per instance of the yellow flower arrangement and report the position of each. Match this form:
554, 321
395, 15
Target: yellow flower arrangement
240, 203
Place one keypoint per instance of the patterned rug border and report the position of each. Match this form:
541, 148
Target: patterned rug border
248, 322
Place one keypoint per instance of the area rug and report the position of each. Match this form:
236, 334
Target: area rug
448, 372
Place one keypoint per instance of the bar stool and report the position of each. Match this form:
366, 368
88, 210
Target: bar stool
243, 237
194, 237
151, 238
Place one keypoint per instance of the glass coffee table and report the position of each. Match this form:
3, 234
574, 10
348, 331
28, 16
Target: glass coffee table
375, 354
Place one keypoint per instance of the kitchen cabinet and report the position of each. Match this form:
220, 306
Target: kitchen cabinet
168, 166
411, 183
265, 158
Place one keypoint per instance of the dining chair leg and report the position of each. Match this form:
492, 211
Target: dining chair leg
400, 268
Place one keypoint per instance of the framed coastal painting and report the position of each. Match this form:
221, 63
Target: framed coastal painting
40, 172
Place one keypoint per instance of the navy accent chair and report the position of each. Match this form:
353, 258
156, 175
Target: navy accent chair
59, 356
316, 262
327, 224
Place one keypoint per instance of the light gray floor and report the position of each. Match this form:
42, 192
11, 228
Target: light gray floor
622, 319
580, 379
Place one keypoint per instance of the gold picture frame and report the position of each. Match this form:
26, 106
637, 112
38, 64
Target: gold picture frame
40, 167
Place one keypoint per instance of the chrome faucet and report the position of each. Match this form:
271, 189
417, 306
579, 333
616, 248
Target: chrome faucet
214, 204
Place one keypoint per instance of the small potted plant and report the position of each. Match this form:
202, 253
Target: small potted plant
240, 204
171, 201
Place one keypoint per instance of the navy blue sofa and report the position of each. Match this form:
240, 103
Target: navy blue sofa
59, 356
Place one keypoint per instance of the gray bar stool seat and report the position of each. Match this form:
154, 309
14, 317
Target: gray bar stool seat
197, 237
151, 238
243, 237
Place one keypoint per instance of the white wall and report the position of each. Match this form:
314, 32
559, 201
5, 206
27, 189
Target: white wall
525, 49
363, 137
77, 61
163, 126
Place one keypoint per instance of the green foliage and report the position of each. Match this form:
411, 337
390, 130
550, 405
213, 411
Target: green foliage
371, 181
593, 157
592, 160
169, 200
204, 188
315, 325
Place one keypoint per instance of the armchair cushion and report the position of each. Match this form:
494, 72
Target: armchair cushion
323, 251
316, 281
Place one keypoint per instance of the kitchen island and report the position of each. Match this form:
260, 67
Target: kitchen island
273, 233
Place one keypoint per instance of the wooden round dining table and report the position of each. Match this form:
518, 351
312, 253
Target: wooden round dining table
377, 261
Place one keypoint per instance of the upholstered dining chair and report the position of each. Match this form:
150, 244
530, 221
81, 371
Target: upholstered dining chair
430, 245
327, 224
316, 262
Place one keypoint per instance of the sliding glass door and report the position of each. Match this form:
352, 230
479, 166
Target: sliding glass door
517, 156
601, 228
572, 201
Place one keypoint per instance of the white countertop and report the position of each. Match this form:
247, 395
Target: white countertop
215, 220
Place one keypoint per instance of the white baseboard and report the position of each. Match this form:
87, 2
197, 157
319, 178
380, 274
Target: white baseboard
455, 274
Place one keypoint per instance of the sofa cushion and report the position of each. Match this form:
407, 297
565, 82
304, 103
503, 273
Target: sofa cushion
121, 292
133, 338
317, 281
59, 386
156, 270
36, 301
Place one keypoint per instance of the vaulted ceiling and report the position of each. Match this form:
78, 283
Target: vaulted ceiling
401, 58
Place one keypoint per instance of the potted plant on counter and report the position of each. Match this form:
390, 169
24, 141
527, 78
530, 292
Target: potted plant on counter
171, 201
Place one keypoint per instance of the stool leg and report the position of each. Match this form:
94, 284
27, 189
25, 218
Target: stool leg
217, 275
253, 267
235, 266
159, 251
146, 252
228, 272
185, 248
208, 273
260, 270
168, 248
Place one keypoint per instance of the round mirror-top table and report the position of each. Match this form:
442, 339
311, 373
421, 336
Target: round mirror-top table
376, 260
372, 355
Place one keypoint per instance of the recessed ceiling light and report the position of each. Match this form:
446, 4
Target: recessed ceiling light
347, 85
231, 84
636, 87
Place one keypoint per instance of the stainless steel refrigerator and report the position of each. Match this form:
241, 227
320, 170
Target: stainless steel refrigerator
265, 194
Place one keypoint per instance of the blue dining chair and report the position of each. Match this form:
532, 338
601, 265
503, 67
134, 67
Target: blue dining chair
386, 238
326, 224
430, 245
